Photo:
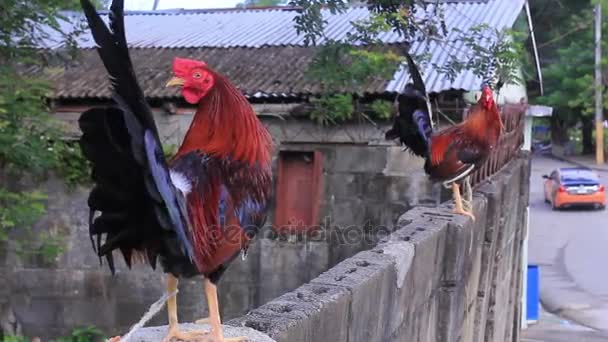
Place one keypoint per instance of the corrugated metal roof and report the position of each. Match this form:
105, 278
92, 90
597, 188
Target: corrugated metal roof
497, 14
274, 27
252, 28
275, 72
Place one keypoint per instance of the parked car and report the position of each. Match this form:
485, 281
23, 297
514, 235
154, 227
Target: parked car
567, 187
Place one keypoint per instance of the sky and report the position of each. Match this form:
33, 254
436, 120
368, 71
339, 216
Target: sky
169, 4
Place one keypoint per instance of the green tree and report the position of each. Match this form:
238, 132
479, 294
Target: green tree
30, 142
566, 47
343, 65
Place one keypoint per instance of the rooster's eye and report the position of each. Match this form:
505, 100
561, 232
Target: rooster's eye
197, 75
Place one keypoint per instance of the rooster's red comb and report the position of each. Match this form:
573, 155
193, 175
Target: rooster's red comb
182, 66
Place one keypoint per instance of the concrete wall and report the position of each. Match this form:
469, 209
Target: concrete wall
439, 277
456, 275
366, 188
50, 298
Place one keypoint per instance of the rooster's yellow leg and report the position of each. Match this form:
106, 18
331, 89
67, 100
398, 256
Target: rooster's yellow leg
202, 321
468, 195
458, 209
216, 334
174, 332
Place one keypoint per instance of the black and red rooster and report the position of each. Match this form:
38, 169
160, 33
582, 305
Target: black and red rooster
195, 212
452, 153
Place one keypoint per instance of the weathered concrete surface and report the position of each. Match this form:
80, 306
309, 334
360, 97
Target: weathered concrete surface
438, 277
157, 333
432, 277
366, 188
445, 262
50, 298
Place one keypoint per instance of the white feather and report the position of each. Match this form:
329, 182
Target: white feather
460, 176
180, 181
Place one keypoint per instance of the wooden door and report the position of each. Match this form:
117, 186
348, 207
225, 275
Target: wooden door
298, 191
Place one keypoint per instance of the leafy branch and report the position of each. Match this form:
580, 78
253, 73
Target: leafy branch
489, 53
492, 55
343, 72
31, 142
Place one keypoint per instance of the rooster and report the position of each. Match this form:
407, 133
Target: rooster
453, 153
194, 213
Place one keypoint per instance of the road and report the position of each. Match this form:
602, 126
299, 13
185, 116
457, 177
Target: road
571, 248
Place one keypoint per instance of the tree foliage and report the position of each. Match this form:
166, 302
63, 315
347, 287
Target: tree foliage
492, 54
260, 3
569, 79
30, 141
343, 71
566, 46
343, 67
83, 334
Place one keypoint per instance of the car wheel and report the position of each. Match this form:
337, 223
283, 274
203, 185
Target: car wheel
601, 207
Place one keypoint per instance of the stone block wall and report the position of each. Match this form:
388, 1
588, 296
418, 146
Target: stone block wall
438, 277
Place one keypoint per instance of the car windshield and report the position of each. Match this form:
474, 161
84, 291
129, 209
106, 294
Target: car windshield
577, 175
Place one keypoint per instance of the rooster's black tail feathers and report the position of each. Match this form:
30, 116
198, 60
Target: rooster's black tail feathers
133, 192
114, 53
413, 125
119, 194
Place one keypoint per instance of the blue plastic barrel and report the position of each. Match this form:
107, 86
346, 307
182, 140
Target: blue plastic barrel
533, 293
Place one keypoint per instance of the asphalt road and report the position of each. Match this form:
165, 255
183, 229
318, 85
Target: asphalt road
571, 248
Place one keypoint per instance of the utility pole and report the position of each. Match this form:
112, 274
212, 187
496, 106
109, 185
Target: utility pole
599, 117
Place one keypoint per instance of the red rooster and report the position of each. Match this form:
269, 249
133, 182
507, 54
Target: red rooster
453, 153
198, 211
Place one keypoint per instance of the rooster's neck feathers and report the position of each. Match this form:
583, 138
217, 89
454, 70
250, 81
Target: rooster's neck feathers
481, 123
225, 126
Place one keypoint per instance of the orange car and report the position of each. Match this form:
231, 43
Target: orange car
567, 187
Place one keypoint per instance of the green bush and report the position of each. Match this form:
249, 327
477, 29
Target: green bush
84, 334
382, 109
343, 71
31, 143
71, 164
332, 109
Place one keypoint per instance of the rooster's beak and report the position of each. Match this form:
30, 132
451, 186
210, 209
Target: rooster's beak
175, 81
